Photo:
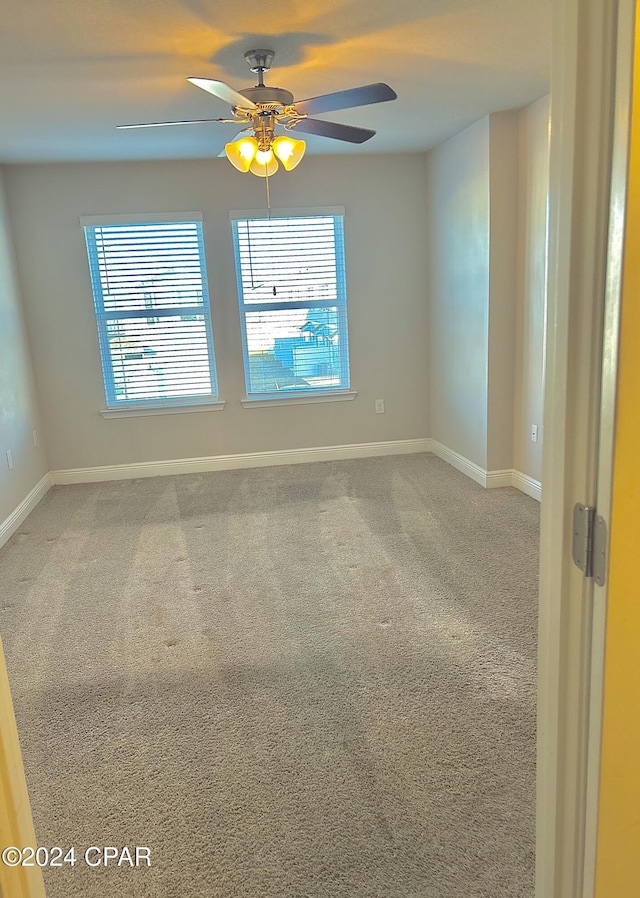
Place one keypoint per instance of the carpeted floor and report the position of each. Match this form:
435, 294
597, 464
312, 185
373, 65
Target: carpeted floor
314, 681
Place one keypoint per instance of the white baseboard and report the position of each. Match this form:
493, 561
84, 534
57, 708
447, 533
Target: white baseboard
232, 462
527, 485
9, 526
495, 479
488, 479
470, 468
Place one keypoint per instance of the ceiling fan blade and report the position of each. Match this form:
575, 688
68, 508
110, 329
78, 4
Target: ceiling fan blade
332, 129
198, 121
223, 92
346, 99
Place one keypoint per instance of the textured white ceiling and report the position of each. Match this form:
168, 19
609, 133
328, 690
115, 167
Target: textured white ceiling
71, 70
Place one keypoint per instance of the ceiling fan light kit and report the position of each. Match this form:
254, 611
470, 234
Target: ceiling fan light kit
247, 155
264, 165
289, 151
262, 108
241, 153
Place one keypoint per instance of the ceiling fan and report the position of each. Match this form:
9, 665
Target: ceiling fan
262, 108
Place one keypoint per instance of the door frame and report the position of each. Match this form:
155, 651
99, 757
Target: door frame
591, 79
16, 825
625, 44
577, 454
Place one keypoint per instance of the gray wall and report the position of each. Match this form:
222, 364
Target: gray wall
385, 228
462, 273
458, 214
532, 273
487, 192
19, 415
503, 286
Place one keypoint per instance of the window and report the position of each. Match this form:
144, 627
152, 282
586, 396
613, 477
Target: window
292, 294
152, 310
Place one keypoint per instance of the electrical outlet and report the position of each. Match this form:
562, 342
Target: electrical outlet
9, 460
35, 437
534, 433
379, 406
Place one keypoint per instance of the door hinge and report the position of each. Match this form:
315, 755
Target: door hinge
590, 543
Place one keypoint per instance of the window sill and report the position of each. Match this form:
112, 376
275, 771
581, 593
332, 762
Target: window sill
146, 410
297, 399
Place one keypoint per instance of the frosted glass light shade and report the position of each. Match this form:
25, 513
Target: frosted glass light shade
289, 151
265, 163
242, 152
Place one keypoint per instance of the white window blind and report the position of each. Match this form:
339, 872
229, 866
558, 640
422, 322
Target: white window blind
292, 293
152, 310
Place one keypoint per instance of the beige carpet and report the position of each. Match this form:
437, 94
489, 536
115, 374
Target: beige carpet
314, 681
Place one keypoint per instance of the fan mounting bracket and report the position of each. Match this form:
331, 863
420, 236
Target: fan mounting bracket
259, 61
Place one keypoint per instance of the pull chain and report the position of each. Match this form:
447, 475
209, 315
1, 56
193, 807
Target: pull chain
275, 292
266, 181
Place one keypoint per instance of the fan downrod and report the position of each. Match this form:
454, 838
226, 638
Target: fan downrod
259, 61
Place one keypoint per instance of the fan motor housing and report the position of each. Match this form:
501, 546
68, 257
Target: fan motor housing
268, 96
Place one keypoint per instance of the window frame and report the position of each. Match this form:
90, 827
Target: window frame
159, 405
312, 394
